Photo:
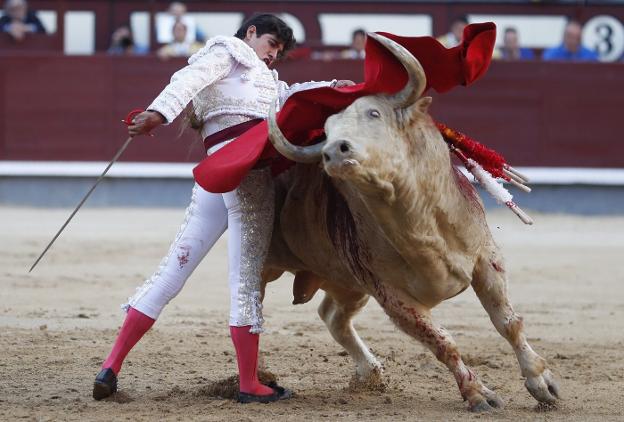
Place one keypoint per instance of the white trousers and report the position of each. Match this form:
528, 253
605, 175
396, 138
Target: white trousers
247, 213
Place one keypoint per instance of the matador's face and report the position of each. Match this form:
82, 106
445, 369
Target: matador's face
266, 46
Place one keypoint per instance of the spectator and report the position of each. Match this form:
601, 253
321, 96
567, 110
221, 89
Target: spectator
122, 43
358, 41
176, 12
18, 21
325, 55
180, 47
511, 49
571, 49
456, 33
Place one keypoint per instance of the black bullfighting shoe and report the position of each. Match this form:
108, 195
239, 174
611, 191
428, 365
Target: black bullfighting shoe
105, 384
279, 393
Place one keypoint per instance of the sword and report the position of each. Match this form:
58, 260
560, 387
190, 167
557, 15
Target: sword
128, 120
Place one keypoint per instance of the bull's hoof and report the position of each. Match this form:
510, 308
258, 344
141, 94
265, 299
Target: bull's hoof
481, 407
543, 387
372, 381
486, 401
546, 407
493, 399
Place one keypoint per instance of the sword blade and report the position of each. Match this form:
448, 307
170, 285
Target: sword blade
84, 199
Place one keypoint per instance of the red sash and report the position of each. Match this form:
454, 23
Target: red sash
229, 133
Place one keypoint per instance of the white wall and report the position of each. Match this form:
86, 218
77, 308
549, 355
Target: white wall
79, 33
337, 28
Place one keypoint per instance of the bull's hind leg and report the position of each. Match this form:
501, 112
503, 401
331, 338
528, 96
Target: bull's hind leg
415, 320
490, 285
337, 310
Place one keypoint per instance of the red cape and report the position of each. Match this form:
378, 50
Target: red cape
303, 116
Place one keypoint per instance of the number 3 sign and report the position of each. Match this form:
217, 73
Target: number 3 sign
605, 35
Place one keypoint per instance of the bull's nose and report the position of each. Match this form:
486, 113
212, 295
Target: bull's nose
337, 151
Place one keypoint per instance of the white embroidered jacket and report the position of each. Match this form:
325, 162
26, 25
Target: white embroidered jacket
227, 83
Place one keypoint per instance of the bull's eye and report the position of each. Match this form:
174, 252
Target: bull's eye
372, 113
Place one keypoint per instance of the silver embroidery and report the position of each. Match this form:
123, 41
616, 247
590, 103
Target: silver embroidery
256, 197
236, 47
147, 285
228, 97
187, 82
212, 81
214, 102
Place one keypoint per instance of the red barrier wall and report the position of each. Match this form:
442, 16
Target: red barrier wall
536, 114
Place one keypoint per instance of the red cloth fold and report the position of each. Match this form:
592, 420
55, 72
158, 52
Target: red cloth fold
303, 116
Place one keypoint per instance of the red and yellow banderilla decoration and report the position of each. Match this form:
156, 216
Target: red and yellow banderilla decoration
486, 165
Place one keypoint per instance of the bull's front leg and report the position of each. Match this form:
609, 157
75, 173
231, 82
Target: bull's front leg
415, 320
490, 285
337, 310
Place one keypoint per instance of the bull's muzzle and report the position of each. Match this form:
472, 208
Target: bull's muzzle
339, 156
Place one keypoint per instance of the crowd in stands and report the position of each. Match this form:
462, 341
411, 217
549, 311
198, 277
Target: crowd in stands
511, 50
570, 48
179, 36
18, 20
122, 43
181, 45
456, 31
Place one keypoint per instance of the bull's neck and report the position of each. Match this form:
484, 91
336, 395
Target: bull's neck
421, 213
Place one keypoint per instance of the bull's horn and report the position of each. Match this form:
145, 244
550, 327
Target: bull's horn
309, 154
417, 80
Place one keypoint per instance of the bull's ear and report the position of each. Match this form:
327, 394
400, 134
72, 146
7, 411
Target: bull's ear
416, 110
423, 104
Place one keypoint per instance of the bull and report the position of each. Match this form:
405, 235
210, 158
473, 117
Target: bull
391, 218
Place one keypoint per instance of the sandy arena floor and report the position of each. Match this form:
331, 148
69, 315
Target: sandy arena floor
57, 325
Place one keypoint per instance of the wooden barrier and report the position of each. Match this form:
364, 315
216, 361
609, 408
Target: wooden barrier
32, 44
534, 113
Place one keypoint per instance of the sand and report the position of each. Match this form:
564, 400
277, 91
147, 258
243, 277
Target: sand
58, 323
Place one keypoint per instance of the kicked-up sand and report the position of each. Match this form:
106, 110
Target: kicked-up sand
566, 277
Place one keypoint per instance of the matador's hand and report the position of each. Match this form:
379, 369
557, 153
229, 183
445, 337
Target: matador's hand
144, 122
344, 82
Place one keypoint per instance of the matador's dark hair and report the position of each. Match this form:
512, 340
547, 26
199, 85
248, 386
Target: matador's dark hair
266, 23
